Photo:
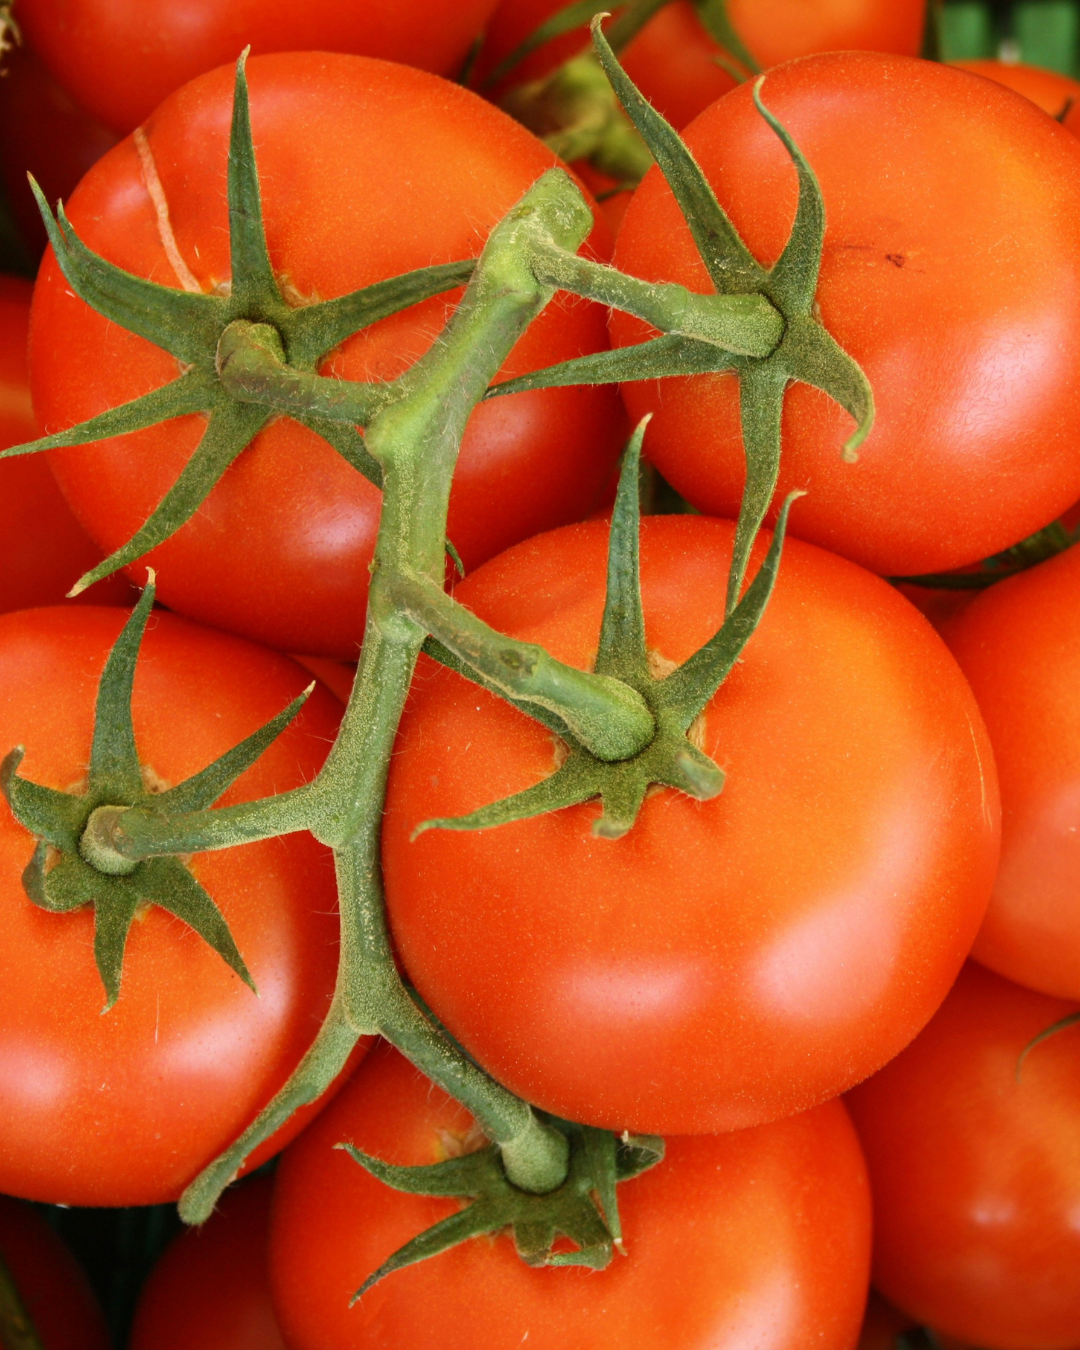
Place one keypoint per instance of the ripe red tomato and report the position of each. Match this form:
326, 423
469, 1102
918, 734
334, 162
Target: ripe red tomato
730, 1241
1018, 646
44, 548
51, 1284
673, 60
121, 60
125, 1108
951, 273
1053, 92
726, 962
281, 548
211, 1289
975, 1170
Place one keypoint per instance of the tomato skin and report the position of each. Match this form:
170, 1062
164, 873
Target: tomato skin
211, 1288
725, 963
1049, 90
125, 1108
673, 60
975, 1170
52, 1285
1018, 647
120, 60
950, 273
280, 551
727, 1237
44, 548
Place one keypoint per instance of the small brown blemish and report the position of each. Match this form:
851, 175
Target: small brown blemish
897, 259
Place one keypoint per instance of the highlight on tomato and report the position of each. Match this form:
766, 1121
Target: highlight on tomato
280, 549
726, 962
728, 1237
124, 1107
950, 272
970, 1137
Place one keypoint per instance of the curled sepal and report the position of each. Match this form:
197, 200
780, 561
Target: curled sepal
75, 861
584, 1209
656, 359
714, 19
1062, 1024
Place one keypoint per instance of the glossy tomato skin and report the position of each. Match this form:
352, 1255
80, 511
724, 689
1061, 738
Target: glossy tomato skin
51, 1284
44, 548
280, 550
950, 273
673, 60
725, 963
211, 1288
1053, 92
1018, 647
124, 1108
730, 1239
121, 60
975, 1170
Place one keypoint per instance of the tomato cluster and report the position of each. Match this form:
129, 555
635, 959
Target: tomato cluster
633, 803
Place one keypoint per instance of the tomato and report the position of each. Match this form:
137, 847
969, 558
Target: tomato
211, 1289
44, 548
727, 962
280, 550
51, 1285
673, 60
1053, 92
45, 134
728, 1240
121, 60
125, 1108
951, 273
1017, 645
975, 1170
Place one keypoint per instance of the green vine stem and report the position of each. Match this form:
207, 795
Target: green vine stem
415, 439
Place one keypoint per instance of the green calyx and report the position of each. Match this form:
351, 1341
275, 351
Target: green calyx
74, 863
195, 328
674, 700
805, 352
584, 1208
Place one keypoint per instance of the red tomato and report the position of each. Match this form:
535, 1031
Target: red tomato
121, 60
1018, 646
44, 548
45, 134
755, 1237
280, 550
975, 1170
51, 1284
727, 962
1053, 92
882, 1325
211, 1289
673, 60
125, 1108
951, 273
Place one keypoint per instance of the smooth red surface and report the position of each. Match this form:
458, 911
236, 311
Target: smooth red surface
51, 1284
1018, 645
1053, 92
124, 1108
43, 547
975, 1170
211, 1289
367, 170
728, 962
757, 1238
121, 58
951, 273
673, 60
